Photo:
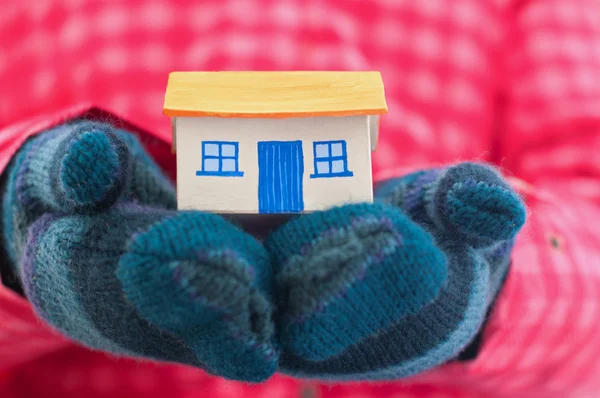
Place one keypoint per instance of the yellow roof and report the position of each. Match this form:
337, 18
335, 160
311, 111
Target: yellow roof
274, 94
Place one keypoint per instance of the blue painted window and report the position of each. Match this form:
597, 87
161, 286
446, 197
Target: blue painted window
331, 159
220, 158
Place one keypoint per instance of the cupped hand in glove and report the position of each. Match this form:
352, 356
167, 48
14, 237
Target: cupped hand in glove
105, 258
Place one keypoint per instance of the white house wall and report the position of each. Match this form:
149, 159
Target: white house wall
240, 194
373, 130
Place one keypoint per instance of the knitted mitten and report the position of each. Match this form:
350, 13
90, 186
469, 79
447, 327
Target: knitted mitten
384, 291
88, 224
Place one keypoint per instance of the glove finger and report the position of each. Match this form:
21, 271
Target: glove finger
468, 203
179, 287
85, 167
346, 273
78, 168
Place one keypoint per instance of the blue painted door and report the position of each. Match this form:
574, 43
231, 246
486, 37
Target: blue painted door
280, 171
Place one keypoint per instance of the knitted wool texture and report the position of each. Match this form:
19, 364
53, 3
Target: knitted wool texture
390, 290
80, 167
361, 292
106, 269
350, 272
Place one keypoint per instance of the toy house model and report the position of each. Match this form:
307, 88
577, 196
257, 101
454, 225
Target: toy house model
273, 142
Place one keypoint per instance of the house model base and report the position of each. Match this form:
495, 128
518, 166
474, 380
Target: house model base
273, 142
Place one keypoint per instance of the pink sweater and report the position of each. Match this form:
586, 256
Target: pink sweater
515, 83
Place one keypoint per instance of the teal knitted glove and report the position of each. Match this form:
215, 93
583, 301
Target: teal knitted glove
362, 291
89, 225
385, 291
